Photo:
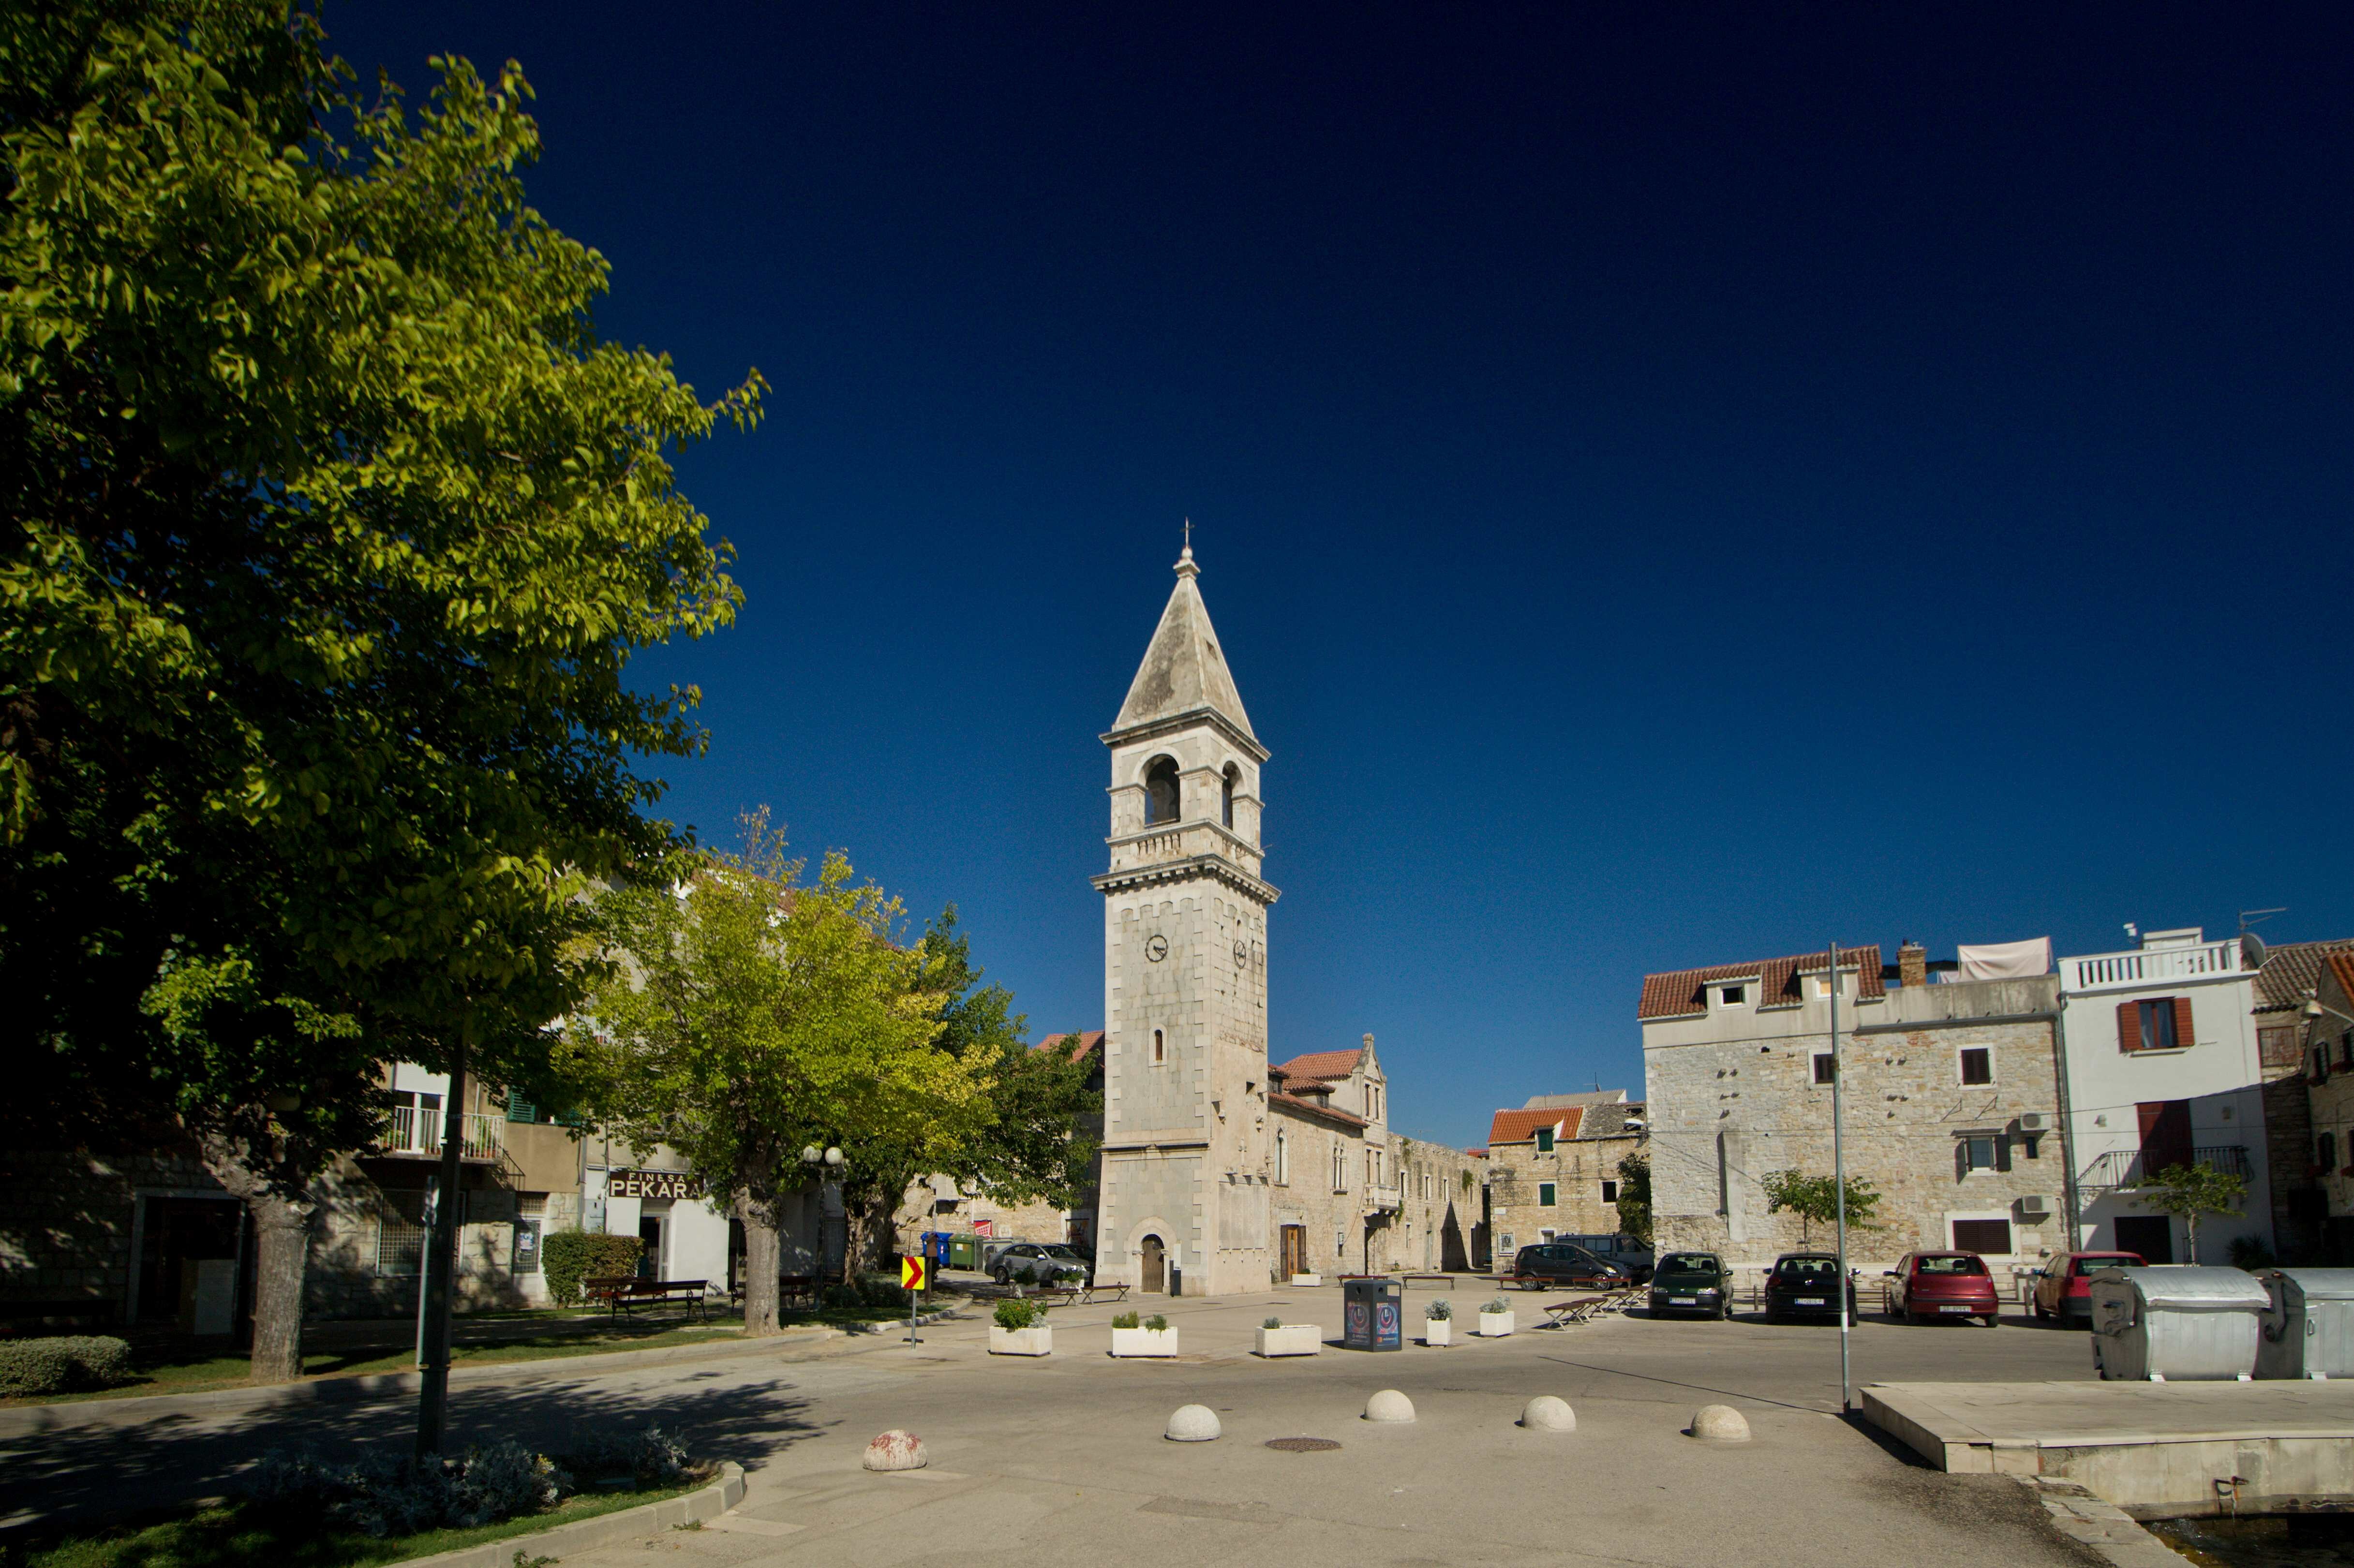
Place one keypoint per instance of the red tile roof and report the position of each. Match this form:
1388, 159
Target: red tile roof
1089, 1041
2289, 971
1679, 993
1520, 1126
1323, 1064
2341, 964
1311, 1108
1479, 1153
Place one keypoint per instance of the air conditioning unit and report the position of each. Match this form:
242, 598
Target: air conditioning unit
2034, 1206
2034, 1121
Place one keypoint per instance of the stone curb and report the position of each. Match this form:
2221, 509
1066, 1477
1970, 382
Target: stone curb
564, 1540
2100, 1527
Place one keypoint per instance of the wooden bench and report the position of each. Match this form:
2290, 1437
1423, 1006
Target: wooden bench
605, 1289
1078, 1295
635, 1293
793, 1291
1446, 1279
1571, 1313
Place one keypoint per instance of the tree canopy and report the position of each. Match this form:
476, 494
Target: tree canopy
1815, 1199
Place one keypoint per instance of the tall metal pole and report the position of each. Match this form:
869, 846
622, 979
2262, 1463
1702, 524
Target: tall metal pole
441, 1264
1839, 1171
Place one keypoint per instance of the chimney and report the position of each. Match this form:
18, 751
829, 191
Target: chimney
1912, 963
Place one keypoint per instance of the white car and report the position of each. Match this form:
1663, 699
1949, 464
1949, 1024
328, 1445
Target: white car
1037, 1263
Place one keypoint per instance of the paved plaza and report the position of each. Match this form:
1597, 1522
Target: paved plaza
1064, 1457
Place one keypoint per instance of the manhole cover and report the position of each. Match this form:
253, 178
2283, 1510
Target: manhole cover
1303, 1445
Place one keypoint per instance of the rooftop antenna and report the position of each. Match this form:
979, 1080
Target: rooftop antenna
2253, 918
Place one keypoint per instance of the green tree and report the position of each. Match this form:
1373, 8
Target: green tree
1815, 1200
2191, 1190
751, 1013
1635, 1196
1029, 1143
331, 527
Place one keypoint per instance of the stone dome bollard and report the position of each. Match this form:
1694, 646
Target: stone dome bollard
1546, 1414
1389, 1405
1192, 1424
1720, 1423
895, 1450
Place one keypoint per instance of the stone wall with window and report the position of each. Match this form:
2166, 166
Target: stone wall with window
1951, 1109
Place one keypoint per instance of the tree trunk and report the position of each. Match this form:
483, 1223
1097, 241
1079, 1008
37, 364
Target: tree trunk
761, 1267
280, 1201
2190, 1226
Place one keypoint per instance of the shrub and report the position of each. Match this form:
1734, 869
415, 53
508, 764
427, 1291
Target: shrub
65, 1365
652, 1457
383, 1495
2250, 1254
1438, 1311
1125, 1320
1498, 1305
1157, 1323
1272, 1323
567, 1257
1016, 1313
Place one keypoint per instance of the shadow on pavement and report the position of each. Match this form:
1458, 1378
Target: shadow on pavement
1695, 1387
93, 1473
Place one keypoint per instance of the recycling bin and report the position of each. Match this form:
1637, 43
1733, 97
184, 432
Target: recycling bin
2176, 1322
964, 1251
1372, 1317
2308, 1329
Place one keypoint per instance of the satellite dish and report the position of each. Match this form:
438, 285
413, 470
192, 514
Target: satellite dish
2252, 951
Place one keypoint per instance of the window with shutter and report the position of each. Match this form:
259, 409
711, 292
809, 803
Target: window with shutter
2185, 1031
2162, 1023
2129, 1026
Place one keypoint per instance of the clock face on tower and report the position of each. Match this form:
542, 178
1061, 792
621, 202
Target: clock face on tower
1242, 955
1156, 946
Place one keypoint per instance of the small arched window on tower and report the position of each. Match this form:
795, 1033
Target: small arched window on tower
1160, 1047
1226, 796
1161, 791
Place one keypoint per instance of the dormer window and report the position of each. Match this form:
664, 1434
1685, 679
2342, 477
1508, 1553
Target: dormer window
1545, 1140
1732, 995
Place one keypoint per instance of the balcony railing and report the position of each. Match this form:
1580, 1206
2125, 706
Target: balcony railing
419, 1131
2124, 1169
1390, 1197
2149, 966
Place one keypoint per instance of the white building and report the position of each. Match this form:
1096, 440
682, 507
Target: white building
2163, 1068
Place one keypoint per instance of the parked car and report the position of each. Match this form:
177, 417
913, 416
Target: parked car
1631, 1256
2064, 1287
1039, 1263
1559, 1263
1806, 1285
1694, 1282
1932, 1285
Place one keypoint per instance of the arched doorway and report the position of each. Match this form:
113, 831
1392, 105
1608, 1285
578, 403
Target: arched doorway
1156, 1272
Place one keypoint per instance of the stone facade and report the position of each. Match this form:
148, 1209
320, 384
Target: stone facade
1552, 1167
1951, 1108
2329, 1039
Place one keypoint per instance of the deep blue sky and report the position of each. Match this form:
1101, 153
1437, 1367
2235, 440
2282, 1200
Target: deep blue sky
1675, 486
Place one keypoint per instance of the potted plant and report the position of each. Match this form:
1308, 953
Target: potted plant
1152, 1337
1495, 1319
1278, 1338
1306, 1279
1438, 1323
1021, 1330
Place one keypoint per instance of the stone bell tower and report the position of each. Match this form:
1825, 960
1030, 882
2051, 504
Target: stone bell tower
1187, 1151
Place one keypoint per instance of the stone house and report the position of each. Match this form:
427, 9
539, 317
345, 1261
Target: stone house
2328, 1019
940, 1203
1952, 1100
2288, 1027
1552, 1167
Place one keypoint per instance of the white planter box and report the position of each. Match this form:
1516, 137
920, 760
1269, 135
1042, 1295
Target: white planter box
1038, 1340
1495, 1325
1438, 1331
1291, 1339
1306, 1280
1144, 1341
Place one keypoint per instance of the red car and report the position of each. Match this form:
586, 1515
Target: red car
2064, 1287
1932, 1285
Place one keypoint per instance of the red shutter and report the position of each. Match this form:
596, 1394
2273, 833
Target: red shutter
2129, 1026
2183, 1033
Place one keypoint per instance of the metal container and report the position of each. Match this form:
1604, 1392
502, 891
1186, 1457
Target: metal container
1371, 1316
2176, 1322
2308, 1329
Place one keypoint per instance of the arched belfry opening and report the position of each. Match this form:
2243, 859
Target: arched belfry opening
1226, 795
1161, 791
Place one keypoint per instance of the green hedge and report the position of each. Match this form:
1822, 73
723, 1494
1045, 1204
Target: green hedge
64, 1365
567, 1257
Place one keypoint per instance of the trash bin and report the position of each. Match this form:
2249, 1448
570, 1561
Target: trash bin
1176, 1280
2176, 1322
2309, 1325
964, 1251
1372, 1317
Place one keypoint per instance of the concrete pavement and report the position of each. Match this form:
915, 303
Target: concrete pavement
1064, 1457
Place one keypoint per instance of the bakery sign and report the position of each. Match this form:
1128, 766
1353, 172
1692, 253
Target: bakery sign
652, 1184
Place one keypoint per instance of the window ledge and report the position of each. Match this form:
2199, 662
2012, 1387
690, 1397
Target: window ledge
2159, 1051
